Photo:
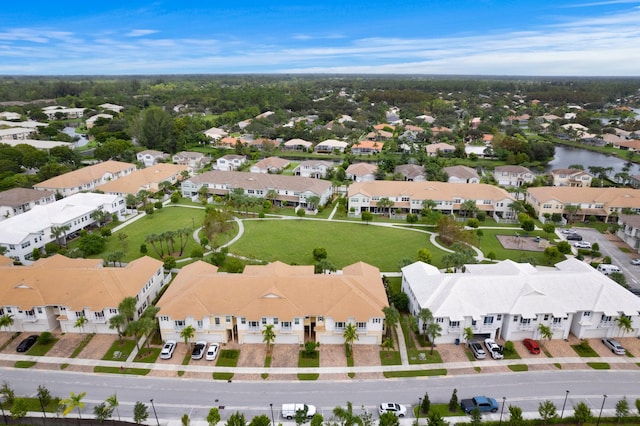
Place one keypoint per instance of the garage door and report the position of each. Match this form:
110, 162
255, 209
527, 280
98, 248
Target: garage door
252, 338
366, 340
331, 340
287, 339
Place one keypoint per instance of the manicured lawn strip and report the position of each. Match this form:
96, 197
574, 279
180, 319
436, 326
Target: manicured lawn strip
41, 350
24, 364
416, 373
165, 219
395, 284
228, 358
414, 356
148, 355
443, 410
519, 367
124, 346
310, 376
584, 350
308, 361
222, 376
599, 365
116, 370
33, 404
390, 358
272, 240
82, 345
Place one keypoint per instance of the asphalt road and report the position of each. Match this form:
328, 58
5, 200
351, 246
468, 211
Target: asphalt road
175, 397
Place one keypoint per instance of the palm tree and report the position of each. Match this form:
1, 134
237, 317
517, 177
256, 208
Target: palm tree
135, 329
117, 322
346, 416
545, 332
74, 401
313, 201
268, 336
433, 331
147, 325
469, 206
128, 308
391, 316
6, 321
57, 231
80, 322
429, 205
425, 317
350, 335
385, 204
625, 324
112, 400
572, 211
187, 333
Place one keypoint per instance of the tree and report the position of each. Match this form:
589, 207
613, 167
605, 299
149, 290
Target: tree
146, 326
391, 316
572, 211
19, 408
268, 336
436, 419
140, 412
469, 208
389, 419
366, 216
528, 225
317, 420
346, 415
185, 420
350, 335
112, 400
102, 411
545, 332
549, 228
515, 415
263, 420
468, 334
426, 404
433, 331
385, 203
547, 411
301, 213
6, 321
44, 395
213, 418
322, 266
625, 324
313, 202
236, 419
638, 405
8, 393
93, 243
582, 413
552, 254
412, 219
476, 417
319, 253
117, 322
453, 401
622, 409
74, 401
425, 316
424, 255
80, 322
58, 231
187, 333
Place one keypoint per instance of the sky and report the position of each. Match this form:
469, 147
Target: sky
433, 37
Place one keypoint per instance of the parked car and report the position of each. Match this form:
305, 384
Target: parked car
574, 237
392, 407
635, 261
532, 346
477, 351
582, 244
198, 350
26, 344
608, 269
289, 410
568, 231
212, 352
494, 349
168, 349
481, 403
614, 346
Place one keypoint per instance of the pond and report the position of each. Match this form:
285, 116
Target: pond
567, 155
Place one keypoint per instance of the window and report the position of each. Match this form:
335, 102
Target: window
243, 320
296, 321
586, 314
164, 318
488, 320
285, 325
179, 323
454, 324
113, 311
254, 324
320, 319
39, 310
79, 314
525, 321
440, 320
515, 318
606, 318
263, 320
361, 325
228, 318
99, 315
546, 317
275, 321
499, 317
377, 321
216, 320
339, 325
557, 321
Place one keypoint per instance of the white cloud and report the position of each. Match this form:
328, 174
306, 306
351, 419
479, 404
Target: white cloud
140, 33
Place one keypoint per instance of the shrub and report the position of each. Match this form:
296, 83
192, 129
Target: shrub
157, 204
149, 210
197, 252
473, 223
481, 216
509, 348
45, 338
105, 232
606, 260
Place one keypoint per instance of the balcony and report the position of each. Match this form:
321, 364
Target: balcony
30, 318
286, 329
606, 324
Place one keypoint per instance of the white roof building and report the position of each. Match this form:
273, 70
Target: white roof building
510, 300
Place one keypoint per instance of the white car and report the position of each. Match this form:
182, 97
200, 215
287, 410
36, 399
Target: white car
582, 244
212, 352
635, 262
615, 347
167, 349
392, 407
476, 349
494, 349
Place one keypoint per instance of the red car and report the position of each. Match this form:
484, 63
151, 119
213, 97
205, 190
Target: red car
532, 346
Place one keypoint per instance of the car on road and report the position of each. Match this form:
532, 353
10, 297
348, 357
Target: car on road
392, 407
477, 351
483, 404
198, 350
532, 346
212, 352
289, 411
614, 346
582, 244
574, 237
494, 349
168, 349
26, 344
568, 231
635, 261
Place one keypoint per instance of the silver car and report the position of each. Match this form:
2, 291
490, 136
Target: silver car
477, 350
614, 346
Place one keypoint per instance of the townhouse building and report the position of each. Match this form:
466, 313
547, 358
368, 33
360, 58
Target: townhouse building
316, 169
361, 172
151, 157
193, 160
511, 300
513, 176
270, 165
299, 304
148, 179
571, 177
230, 162
54, 292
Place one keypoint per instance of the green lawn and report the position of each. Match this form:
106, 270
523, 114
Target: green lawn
490, 243
390, 358
423, 356
584, 350
293, 241
305, 361
40, 349
124, 347
416, 373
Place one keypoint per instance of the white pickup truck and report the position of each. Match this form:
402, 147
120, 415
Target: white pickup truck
289, 410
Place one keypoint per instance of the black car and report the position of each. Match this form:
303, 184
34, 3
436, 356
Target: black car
26, 344
574, 237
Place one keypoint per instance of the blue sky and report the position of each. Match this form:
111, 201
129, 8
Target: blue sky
479, 37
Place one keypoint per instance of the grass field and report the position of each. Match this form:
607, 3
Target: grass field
292, 241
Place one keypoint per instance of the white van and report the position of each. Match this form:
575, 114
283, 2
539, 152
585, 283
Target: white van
289, 410
608, 269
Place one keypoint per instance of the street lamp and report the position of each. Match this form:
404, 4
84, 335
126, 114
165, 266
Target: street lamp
44, 414
419, 408
273, 422
600, 415
564, 404
154, 412
504, 398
